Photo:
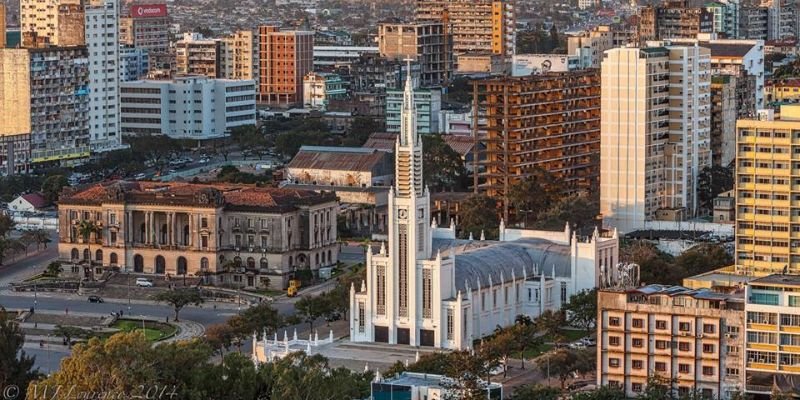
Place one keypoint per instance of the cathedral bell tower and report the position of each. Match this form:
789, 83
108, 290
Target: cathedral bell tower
409, 208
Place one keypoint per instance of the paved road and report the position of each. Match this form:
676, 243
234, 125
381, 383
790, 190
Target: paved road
22, 268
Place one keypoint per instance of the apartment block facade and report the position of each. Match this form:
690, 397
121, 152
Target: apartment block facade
134, 63
589, 45
476, 26
147, 27
767, 195
772, 340
691, 337
428, 43
195, 55
102, 43
428, 103
655, 133
190, 107
237, 235
239, 56
673, 19
46, 94
285, 57
51, 23
549, 121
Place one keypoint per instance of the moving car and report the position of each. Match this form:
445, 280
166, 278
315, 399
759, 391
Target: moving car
144, 282
95, 299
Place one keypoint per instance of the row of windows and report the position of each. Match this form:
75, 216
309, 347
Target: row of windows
662, 367
662, 325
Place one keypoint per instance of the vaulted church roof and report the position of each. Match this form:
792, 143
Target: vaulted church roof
484, 259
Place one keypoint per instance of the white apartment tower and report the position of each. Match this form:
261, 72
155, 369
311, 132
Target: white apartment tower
102, 41
654, 134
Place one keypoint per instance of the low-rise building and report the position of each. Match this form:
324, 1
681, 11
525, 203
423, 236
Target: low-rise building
725, 208
237, 235
416, 385
320, 88
189, 107
691, 337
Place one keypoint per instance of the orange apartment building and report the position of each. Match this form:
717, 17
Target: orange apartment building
692, 338
285, 57
549, 121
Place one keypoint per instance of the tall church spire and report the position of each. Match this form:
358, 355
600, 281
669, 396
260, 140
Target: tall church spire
408, 123
408, 155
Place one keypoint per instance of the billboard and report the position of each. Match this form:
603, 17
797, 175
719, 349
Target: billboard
148, 10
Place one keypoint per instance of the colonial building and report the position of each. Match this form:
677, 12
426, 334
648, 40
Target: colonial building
426, 288
193, 229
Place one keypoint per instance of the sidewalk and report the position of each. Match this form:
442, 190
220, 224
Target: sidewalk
74, 296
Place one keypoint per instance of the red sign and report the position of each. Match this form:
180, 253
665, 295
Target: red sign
149, 10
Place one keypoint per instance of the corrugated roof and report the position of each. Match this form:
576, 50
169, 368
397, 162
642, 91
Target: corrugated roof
727, 49
382, 141
337, 158
460, 144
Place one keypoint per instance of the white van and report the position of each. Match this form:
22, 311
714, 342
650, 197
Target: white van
144, 282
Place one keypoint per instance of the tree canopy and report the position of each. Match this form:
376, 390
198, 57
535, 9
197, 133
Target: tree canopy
479, 213
16, 366
179, 298
659, 267
443, 168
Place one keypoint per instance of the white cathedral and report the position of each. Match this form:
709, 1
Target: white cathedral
427, 288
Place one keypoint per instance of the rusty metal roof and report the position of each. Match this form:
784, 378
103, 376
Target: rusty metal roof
338, 158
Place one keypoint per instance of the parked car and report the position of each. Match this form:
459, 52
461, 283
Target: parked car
144, 282
588, 341
140, 176
95, 299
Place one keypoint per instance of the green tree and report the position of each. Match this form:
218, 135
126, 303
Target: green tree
535, 391
550, 323
711, 182
53, 269
466, 372
70, 332
250, 140
360, 130
7, 224
580, 211
657, 388
500, 347
289, 143
52, 185
220, 337
87, 228
299, 376
601, 393
526, 207
582, 309
41, 237
16, 366
179, 298
442, 167
703, 258
560, 362
310, 308
478, 213
259, 319
155, 148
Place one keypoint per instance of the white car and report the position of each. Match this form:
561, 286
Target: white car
140, 176
144, 282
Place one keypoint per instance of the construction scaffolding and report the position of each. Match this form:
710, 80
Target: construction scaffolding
549, 122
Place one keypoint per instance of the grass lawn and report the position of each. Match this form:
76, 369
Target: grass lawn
153, 331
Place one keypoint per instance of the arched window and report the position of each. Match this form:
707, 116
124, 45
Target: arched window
251, 263
204, 264
75, 254
182, 268
98, 255
112, 259
291, 264
323, 257
138, 263
161, 265
237, 261
330, 260
86, 255
186, 235
316, 259
264, 263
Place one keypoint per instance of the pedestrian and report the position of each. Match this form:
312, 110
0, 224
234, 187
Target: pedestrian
120, 312
167, 319
66, 311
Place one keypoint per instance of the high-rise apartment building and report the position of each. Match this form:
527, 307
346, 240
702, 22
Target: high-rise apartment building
781, 19
46, 94
147, 27
15, 101
549, 121
102, 42
723, 119
428, 43
655, 133
134, 63
476, 26
692, 338
589, 45
2, 25
51, 23
285, 57
239, 56
191, 107
427, 102
195, 55
725, 16
754, 22
767, 174
673, 19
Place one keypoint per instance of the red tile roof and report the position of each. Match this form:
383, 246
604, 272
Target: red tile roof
229, 196
36, 200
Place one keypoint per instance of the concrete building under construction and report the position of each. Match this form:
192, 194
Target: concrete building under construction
549, 122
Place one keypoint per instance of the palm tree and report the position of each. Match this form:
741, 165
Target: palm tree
85, 229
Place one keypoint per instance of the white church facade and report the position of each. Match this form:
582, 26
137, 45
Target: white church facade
427, 288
